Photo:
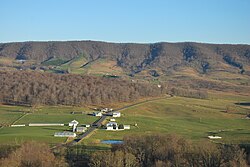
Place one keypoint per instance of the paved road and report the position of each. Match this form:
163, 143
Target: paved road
93, 127
99, 122
18, 119
75, 141
142, 102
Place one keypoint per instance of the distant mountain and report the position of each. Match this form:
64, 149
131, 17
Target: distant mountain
135, 58
187, 65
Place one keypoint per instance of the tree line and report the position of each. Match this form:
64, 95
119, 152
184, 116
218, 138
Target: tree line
70, 89
30, 154
200, 94
155, 150
160, 150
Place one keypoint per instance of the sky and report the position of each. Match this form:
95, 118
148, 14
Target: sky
140, 21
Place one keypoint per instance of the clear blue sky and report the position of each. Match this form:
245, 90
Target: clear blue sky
213, 21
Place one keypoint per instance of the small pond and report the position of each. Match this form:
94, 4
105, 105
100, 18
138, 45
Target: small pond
111, 141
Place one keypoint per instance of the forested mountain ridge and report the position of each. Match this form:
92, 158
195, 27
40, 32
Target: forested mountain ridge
70, 89
133, 58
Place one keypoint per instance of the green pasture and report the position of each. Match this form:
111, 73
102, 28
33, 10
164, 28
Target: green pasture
45, 114
17, 135
74, 65
191, 118
54, 62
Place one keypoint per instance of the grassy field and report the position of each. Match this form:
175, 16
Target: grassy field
46, 114
102, 67
194, 119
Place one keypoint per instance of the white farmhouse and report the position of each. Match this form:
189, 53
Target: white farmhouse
112, 126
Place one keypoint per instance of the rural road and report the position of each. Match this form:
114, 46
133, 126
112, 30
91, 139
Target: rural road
99, 122
94, 126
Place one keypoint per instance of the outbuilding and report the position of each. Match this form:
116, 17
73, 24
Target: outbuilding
126, 126
116, 114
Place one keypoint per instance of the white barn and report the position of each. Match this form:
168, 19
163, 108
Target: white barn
73, 123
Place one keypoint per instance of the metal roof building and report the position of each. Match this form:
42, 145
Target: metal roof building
65, 134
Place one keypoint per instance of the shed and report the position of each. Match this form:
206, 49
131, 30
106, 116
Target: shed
116, 114
97, 114
126, 126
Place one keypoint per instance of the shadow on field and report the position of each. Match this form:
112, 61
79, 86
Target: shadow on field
243, 104
56, 129
15, 111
